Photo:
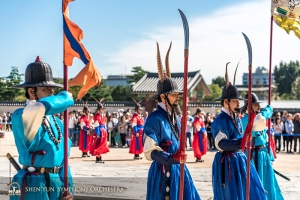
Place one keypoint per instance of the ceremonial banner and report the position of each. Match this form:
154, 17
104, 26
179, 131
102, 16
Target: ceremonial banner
89, 76
287, 15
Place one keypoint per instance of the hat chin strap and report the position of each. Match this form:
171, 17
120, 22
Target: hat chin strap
169, 103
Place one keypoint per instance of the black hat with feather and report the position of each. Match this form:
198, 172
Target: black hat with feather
165, 84
229, 91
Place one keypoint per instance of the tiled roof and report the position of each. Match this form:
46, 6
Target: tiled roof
148, 83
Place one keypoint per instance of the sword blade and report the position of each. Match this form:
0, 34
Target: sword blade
186, 29
249, 49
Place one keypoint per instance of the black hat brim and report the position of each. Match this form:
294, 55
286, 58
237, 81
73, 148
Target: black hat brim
42, 84
154, 97
222, 98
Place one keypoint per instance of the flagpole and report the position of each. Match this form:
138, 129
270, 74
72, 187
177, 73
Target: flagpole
66, 118
270, 81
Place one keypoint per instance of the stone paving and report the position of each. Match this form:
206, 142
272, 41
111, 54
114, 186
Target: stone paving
121, 177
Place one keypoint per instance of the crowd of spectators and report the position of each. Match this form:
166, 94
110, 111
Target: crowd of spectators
287, 132
5, 121
285, 128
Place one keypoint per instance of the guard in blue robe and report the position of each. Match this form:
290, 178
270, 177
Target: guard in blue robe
39, 136
161, 140
229, 170
259, 152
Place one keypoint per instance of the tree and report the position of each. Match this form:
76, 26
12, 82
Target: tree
97, 92
296, 88
219, 80
216, 92
121, 93
14, 78
284, 75
138, 73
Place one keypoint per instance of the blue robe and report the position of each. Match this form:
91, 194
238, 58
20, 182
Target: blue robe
41, 141
235, 164
265, 168
159, 130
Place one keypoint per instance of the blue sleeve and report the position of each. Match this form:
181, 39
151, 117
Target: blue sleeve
135, 129
97, 130
163, 157
57, 103
245, 122
230, 145
267, 112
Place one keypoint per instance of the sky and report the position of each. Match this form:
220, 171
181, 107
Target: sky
120, 34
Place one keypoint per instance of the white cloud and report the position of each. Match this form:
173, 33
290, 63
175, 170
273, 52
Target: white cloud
215, 39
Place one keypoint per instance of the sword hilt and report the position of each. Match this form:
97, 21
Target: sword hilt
13, 161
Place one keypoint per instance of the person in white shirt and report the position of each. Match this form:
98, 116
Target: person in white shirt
72, 120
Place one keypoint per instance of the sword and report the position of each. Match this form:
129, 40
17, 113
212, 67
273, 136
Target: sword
13, 161
281, 175
249, 113
185, 92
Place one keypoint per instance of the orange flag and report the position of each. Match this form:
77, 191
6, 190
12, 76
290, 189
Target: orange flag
89, 76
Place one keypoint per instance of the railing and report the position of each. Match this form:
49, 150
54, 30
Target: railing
118, 104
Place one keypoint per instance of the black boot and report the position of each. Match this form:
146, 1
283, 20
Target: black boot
97, 159
83, 155
100, 160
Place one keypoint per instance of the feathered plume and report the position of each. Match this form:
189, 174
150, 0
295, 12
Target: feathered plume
159, 65
235, 72
226, 76
167, 62
134, 100
100, 101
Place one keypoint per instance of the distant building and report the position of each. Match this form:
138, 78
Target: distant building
147, 86
115, 80
260, 83
259, 78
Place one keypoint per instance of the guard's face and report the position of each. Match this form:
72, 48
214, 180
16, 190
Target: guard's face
44, 92
256, 107
173, 97
234, 104
101, 110
139, 111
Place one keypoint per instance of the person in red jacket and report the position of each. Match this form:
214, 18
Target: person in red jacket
99, 141
85, 136
136, 144
200, 136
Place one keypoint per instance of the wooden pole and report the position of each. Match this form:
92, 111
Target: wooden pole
270, 82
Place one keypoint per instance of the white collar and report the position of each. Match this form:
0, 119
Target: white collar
226, 111
163, 106
28, 101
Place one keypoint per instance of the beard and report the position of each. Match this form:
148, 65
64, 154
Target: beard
237, 110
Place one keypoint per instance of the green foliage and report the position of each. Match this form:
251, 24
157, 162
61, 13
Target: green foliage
138, 73
286, 96
122, 93
284, 75
296, 88
97, 92
219, 81
216, 92
14, 78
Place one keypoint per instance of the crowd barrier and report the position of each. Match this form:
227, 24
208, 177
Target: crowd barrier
288, 135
